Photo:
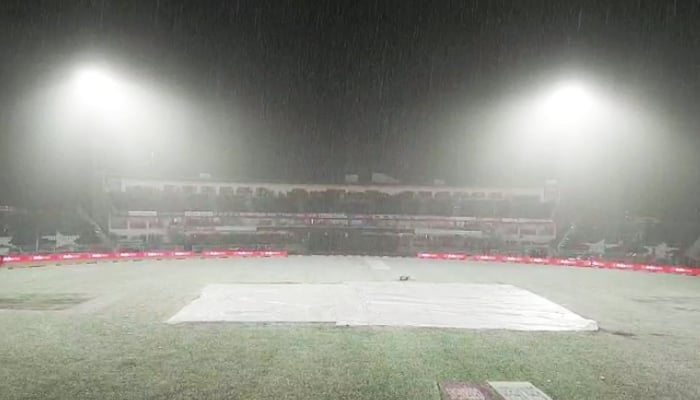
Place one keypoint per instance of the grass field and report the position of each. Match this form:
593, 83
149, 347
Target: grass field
97, 331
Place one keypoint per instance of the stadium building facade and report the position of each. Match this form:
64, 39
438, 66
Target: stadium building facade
349, 219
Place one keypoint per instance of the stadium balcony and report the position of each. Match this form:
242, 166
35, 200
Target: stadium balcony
330, 201
330, 219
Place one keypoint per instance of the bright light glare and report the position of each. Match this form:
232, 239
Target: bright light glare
568, 115
97, 89
569, 102
574, 122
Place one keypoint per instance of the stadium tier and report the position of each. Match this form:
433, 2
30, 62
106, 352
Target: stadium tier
329, 218
146, 214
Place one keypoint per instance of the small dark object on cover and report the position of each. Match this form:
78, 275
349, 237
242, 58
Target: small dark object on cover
404, 277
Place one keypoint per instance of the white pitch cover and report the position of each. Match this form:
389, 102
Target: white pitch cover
263, 303
442, 305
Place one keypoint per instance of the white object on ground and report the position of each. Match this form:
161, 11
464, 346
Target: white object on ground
444, 305
264, 303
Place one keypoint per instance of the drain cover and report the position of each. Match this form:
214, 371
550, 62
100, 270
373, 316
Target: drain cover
453, 390
466, 391
519, 391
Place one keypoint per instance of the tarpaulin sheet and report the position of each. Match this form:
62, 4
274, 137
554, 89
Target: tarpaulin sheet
444, 305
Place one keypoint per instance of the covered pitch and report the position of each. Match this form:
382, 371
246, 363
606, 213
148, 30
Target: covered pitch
439, 305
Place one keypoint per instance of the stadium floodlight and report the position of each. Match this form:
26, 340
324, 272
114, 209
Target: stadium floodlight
571, 100
98, 106
96, 89
566, 113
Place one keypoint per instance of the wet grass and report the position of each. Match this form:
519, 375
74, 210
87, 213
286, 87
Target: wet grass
116, 346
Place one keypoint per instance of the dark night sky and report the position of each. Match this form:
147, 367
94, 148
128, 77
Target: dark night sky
314, 89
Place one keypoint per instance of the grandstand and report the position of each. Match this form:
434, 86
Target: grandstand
359, 219
372, 219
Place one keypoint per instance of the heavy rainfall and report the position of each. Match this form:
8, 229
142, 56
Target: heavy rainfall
349, 199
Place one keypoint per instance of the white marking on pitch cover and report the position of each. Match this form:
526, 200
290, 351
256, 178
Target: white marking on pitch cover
446, 305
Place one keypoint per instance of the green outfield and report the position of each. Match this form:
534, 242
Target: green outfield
98, 332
